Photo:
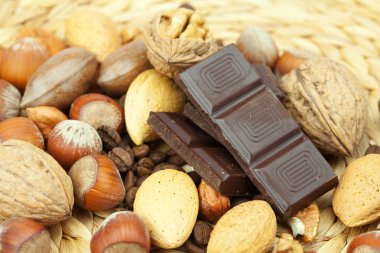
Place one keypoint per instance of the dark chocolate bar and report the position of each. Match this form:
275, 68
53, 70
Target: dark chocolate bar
268, 79
258, 131
208, 157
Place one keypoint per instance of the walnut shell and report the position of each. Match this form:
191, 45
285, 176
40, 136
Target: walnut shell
33, 184
177, 40
327, 101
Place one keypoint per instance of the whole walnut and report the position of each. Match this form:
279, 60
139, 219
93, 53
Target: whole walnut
326, 100
177, 39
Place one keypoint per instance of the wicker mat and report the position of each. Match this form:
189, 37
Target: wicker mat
347, 31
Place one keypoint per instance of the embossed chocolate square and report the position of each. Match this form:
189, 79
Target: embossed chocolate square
236, 103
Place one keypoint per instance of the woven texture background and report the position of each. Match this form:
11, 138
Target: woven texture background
347, 31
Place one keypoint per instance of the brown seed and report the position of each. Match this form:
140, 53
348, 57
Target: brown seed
192, 247
141, 180
129, 180
201, 233
176, 160
147, 162
143, 171
125, 142
110, 138
141, 151
157, 157
130, 197
122, 158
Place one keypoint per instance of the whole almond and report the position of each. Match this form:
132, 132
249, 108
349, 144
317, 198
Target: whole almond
356, 200
61, 79
33, 184
92, 30
121, 67
248, 227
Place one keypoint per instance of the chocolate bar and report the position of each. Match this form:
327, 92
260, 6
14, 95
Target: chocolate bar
268, 79
208, 157
248, 119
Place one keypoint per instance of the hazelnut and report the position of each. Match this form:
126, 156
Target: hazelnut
88, 107
305, 222
365, 243
23, 235
212, 204
45, 117
10, 99
21, 60
52, 42
287, 62
121, 232
121, 67
97, 183
20, 128
72, 139
257, 46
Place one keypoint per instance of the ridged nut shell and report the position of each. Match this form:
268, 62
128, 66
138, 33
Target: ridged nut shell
61, 79
324, 97
10, 99
248, 227
33, 184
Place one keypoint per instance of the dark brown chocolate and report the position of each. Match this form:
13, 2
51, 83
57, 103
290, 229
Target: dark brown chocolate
208, 157
250, 121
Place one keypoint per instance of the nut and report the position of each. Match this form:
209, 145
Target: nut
257, 46
150, 91
356, 200
45, 117
21, 60
21, 129
52, 42
177, 40
327, 94
365, 243
212, 204
43, 190
23, 235
290, 60
61, 79
121, 67
248, 227
121, 232
88, 107
201, 233
286, 244
97, 183
92, 30
1, 51
10, 99
305, 222
71, 140
167, 201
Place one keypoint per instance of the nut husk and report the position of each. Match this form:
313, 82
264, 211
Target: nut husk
324, 97
178, 39
121, 67
33, 184
61, 79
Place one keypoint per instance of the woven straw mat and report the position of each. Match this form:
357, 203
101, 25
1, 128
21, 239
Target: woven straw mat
347, 31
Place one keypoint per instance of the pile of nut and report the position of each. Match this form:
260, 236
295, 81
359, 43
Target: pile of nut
73, 131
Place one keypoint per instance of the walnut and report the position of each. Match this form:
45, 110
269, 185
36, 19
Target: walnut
327, 101
287, 244
178, 39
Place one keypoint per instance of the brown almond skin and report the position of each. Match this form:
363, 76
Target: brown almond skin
10, 99
61, 79
23, 235
120, 68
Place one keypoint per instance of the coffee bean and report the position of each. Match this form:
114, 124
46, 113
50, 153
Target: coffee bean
110, 138
141, 180
143, 171
176, 160
147, 162
372, 149
125, 142
201, 233
130, 197
157, 157
192, 247
122, 158
129, 180
141, 151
